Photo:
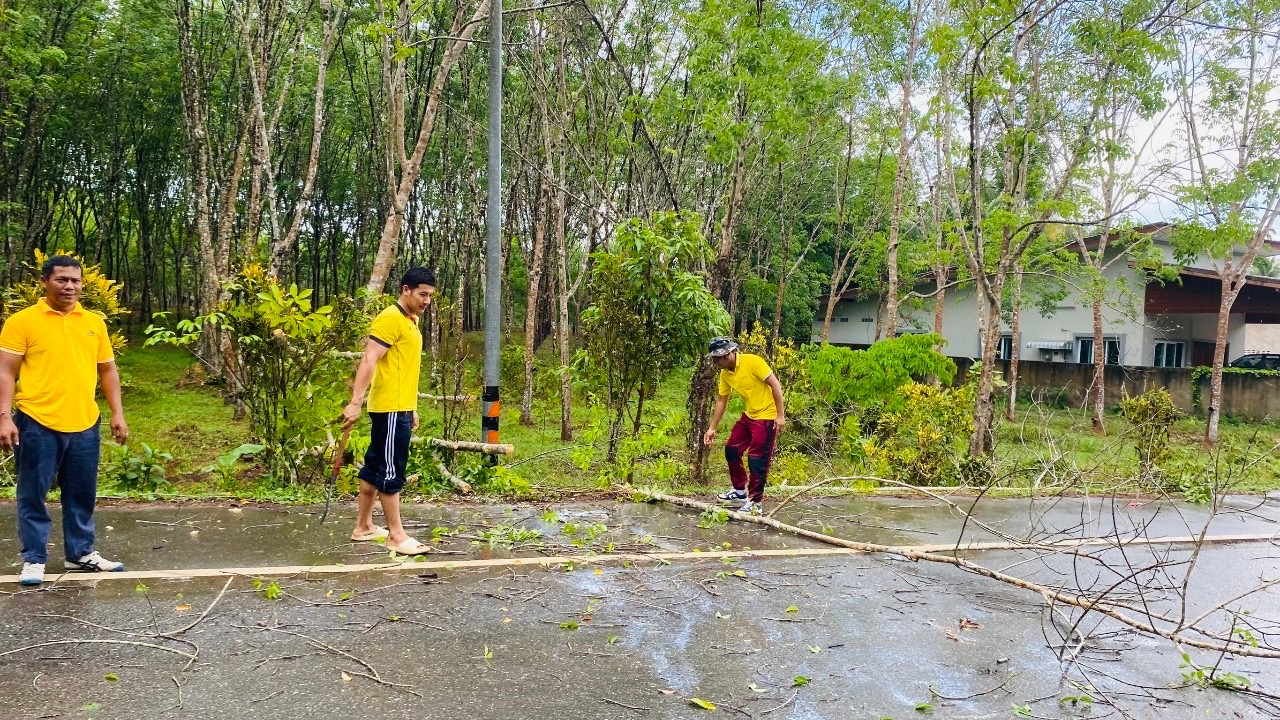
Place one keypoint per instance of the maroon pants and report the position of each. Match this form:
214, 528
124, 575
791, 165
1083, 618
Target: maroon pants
753, 438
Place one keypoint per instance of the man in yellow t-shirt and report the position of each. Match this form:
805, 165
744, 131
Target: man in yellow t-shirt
57, 351
755, 432
391, 364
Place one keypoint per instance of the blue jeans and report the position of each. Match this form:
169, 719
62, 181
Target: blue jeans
42, 455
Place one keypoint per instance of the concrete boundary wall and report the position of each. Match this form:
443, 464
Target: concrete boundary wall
1248, 397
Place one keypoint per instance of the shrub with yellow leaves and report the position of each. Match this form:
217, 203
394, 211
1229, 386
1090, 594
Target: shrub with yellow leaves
101, 295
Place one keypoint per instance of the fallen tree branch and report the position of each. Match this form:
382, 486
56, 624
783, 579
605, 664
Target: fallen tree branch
1235, 647
462, 485
464, 446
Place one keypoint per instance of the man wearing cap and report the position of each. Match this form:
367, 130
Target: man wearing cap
754, 433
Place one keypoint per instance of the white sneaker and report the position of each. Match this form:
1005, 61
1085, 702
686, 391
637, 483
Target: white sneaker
32, 574
751, 508
733, 494
93, 562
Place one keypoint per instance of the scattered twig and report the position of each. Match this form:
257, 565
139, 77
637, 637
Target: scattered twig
189, 656
934, 690
624, 705
267, 697
788, 702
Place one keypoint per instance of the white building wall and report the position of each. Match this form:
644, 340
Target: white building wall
1262, 339
855, 322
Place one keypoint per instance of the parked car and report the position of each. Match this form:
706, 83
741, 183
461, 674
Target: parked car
1258, 361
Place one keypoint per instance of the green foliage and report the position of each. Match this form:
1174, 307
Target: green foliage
869, 379
280, 363
140, 472
224, 468
1202, 677
1150, 416
923, 440
651, 313
1200, 373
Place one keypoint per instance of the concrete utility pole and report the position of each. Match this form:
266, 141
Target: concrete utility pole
493, 242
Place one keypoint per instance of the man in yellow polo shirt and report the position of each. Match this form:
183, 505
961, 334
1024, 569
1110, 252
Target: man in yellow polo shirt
755, 432
392, 363
57, 351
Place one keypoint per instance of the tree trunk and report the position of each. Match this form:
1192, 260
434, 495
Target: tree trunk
1214, 412
411, 168
1099, 368
982, 442
900, 177
531, 311
284, 245
1015, 329
941, 278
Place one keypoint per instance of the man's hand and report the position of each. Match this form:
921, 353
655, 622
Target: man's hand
119, 429
351, 415
709, 436
780, 424
415, 420
8, 433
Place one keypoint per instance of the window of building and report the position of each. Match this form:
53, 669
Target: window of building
1170, 354
1084, 351
1004, 348
844, 319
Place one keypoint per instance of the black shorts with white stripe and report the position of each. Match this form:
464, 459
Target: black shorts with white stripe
384, 462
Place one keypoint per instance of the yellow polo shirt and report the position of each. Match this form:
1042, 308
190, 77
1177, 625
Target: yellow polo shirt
748, 378
60, 358
395, 377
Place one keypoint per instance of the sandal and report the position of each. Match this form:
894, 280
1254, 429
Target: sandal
377, 534
409, 547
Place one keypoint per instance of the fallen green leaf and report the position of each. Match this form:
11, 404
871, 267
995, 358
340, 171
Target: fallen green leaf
757, 688
571, 625
815, 649
111, 677
699, 702
924, 707
800, 681
793, 609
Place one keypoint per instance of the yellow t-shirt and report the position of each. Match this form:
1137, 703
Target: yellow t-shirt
395, 377
748, 378
60, 358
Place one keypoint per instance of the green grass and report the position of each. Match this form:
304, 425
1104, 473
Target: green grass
192, 423
1043, 450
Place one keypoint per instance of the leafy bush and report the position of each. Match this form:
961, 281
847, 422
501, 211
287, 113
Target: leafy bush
834, 391
651, 313
1150, 416
137, 472
869, 379
277, 360
923, 440
225, 467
